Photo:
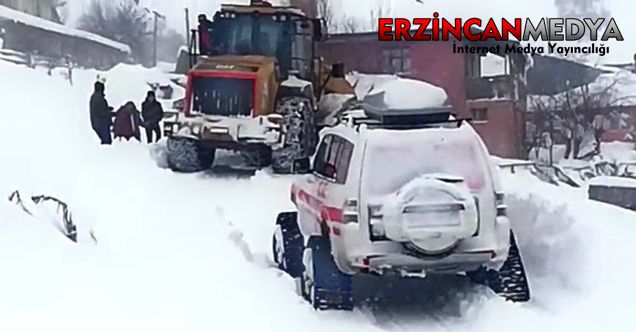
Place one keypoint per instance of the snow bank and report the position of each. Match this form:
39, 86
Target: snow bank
575, 251
129, 83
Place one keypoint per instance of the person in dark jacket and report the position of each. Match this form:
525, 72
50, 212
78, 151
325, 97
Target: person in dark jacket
152, 113
101, 114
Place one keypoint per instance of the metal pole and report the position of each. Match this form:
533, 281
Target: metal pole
155, 38
187, 22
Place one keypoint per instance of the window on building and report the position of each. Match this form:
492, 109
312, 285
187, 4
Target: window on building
479, 114
473, 65
397, 60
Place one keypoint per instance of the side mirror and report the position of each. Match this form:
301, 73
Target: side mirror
338, 70
179, 104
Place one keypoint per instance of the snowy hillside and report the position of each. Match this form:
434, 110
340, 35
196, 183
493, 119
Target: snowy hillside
191, 252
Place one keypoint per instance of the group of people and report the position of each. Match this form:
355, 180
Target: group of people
127, 122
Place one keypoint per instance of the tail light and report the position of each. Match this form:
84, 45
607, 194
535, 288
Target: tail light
376, 227
478, 217
350, 211
293, 194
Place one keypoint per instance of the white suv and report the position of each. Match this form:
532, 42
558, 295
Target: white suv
411, 192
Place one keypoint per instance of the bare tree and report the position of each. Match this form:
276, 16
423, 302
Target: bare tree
382, 9
326, 11
580, 116
124, 21
349, 24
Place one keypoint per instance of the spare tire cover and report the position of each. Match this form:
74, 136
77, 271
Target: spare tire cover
426, 190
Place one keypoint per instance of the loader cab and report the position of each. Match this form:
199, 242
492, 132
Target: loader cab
279, 32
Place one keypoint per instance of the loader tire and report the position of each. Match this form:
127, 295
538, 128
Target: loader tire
300, 134
185, 155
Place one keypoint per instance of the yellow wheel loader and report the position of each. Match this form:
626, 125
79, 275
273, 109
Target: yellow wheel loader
254, 85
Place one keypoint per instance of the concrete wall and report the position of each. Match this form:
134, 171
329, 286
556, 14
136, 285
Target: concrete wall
624, 197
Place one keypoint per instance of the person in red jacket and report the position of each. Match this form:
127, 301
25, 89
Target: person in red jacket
127, 122
205, 35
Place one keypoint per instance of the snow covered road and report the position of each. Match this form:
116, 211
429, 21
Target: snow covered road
190, 252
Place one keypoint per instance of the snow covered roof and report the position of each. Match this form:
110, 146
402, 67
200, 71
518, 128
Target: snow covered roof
623, 89
552, 75
7, 13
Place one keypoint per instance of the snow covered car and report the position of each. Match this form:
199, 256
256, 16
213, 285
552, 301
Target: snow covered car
406, 192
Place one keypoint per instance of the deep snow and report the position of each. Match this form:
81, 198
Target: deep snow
190, 252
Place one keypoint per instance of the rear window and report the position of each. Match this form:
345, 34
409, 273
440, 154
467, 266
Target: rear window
392, 163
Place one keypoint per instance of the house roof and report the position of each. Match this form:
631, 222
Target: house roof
16, 16
551, 75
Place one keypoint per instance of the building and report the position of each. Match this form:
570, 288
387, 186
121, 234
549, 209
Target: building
46, 9
32, 27
489, 88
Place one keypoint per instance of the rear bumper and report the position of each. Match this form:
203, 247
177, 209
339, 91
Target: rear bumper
489, 249
453, 263
227, 131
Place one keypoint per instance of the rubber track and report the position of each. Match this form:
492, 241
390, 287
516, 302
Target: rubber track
332, 288
293, 244
512, 283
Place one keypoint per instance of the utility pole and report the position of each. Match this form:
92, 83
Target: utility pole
157, 16
187, 22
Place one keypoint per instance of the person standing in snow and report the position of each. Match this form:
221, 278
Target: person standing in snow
101, 114
127, 122
152, 113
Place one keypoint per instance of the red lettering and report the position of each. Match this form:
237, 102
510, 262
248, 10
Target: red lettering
491, 31
467, 31
384, 29
455, 30
508, 29
402, 28
423, 23
435, 28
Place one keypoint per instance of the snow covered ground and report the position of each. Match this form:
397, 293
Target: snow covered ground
190, 252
